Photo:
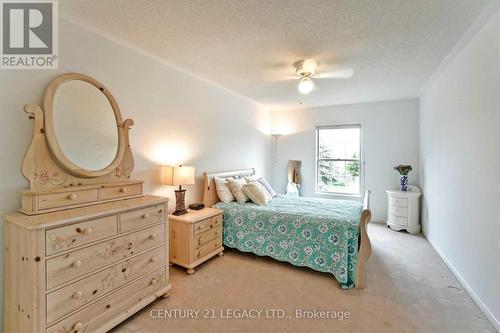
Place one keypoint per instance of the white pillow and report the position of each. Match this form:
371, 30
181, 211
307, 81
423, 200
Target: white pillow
236, 186
250, 179
257, 193
223, 191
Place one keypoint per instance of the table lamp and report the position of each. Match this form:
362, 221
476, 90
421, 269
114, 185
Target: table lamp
181, 175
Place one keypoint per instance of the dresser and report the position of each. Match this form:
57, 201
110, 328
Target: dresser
87, 248
195, 237
85, 269
403, 209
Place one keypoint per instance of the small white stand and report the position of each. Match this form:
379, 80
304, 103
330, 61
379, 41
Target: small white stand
403, 209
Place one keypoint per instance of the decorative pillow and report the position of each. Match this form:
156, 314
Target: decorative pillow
268, 187
222, 189
250, 179
236, 186
257, 193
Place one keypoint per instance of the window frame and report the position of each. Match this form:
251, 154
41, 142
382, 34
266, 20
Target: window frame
361, 161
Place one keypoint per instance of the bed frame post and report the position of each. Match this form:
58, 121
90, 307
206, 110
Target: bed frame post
365, 247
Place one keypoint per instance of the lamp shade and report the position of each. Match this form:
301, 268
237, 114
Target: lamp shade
181, 175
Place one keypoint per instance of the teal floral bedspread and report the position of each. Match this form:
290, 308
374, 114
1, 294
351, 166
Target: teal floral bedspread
318, 233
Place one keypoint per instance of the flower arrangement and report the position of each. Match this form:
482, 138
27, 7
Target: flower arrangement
403, 169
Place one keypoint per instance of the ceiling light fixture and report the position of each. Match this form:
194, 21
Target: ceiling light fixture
305, 85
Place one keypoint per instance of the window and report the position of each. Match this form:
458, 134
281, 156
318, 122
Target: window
338, 162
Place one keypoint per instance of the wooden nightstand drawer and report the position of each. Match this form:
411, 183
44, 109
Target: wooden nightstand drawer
207, 224
55, 200
205, 249
74, 235
142, 217
206, 236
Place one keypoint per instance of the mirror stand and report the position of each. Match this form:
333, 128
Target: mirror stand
52, 187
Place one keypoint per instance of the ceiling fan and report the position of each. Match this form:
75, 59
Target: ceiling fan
306, 70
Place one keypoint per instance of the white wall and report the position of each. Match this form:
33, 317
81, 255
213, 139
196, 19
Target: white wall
389, 135
178, 117
460, 166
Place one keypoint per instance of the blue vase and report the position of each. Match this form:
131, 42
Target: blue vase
404, 183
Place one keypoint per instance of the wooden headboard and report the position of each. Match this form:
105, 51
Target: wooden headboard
210, 197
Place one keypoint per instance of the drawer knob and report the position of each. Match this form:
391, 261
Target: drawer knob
87, 231
77, 295
77, 326
123, 190
152, 236
153, 282
211, 226
77, 263
199, 254
152, 259
200, 227
160, 210
145, 216
72, 196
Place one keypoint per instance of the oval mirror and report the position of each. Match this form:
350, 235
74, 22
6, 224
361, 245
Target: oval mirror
82, 125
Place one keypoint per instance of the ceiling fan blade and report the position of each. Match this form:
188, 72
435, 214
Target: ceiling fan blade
279, 78
337, 74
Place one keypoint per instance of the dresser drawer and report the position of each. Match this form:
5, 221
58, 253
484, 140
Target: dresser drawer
205, 249
54, 200
75, 295
398, 202
398, 211
93, 317
77, 234
401, 221
142, 217
71, 265
116, 192
208, 235
207, 224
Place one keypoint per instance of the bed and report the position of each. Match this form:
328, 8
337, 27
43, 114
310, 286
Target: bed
325, 235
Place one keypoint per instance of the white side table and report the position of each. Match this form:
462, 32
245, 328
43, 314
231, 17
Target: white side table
403, 209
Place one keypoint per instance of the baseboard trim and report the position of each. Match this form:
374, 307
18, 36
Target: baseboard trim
491, 318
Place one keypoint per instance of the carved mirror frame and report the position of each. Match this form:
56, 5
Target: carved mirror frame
50, 133
46, 166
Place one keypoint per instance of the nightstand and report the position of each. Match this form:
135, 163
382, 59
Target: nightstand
403, 209
195, 237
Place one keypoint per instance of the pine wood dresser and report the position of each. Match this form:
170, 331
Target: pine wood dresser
86, 249
85, 269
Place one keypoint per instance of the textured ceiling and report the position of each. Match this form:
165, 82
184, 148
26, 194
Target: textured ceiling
246, 46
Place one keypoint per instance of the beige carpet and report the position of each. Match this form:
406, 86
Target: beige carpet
409, 290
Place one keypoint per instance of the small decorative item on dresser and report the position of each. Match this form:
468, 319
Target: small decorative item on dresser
403, 209
195, 237
403, 171
181, 175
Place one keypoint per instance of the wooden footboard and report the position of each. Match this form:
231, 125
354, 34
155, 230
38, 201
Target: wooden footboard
365, 247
